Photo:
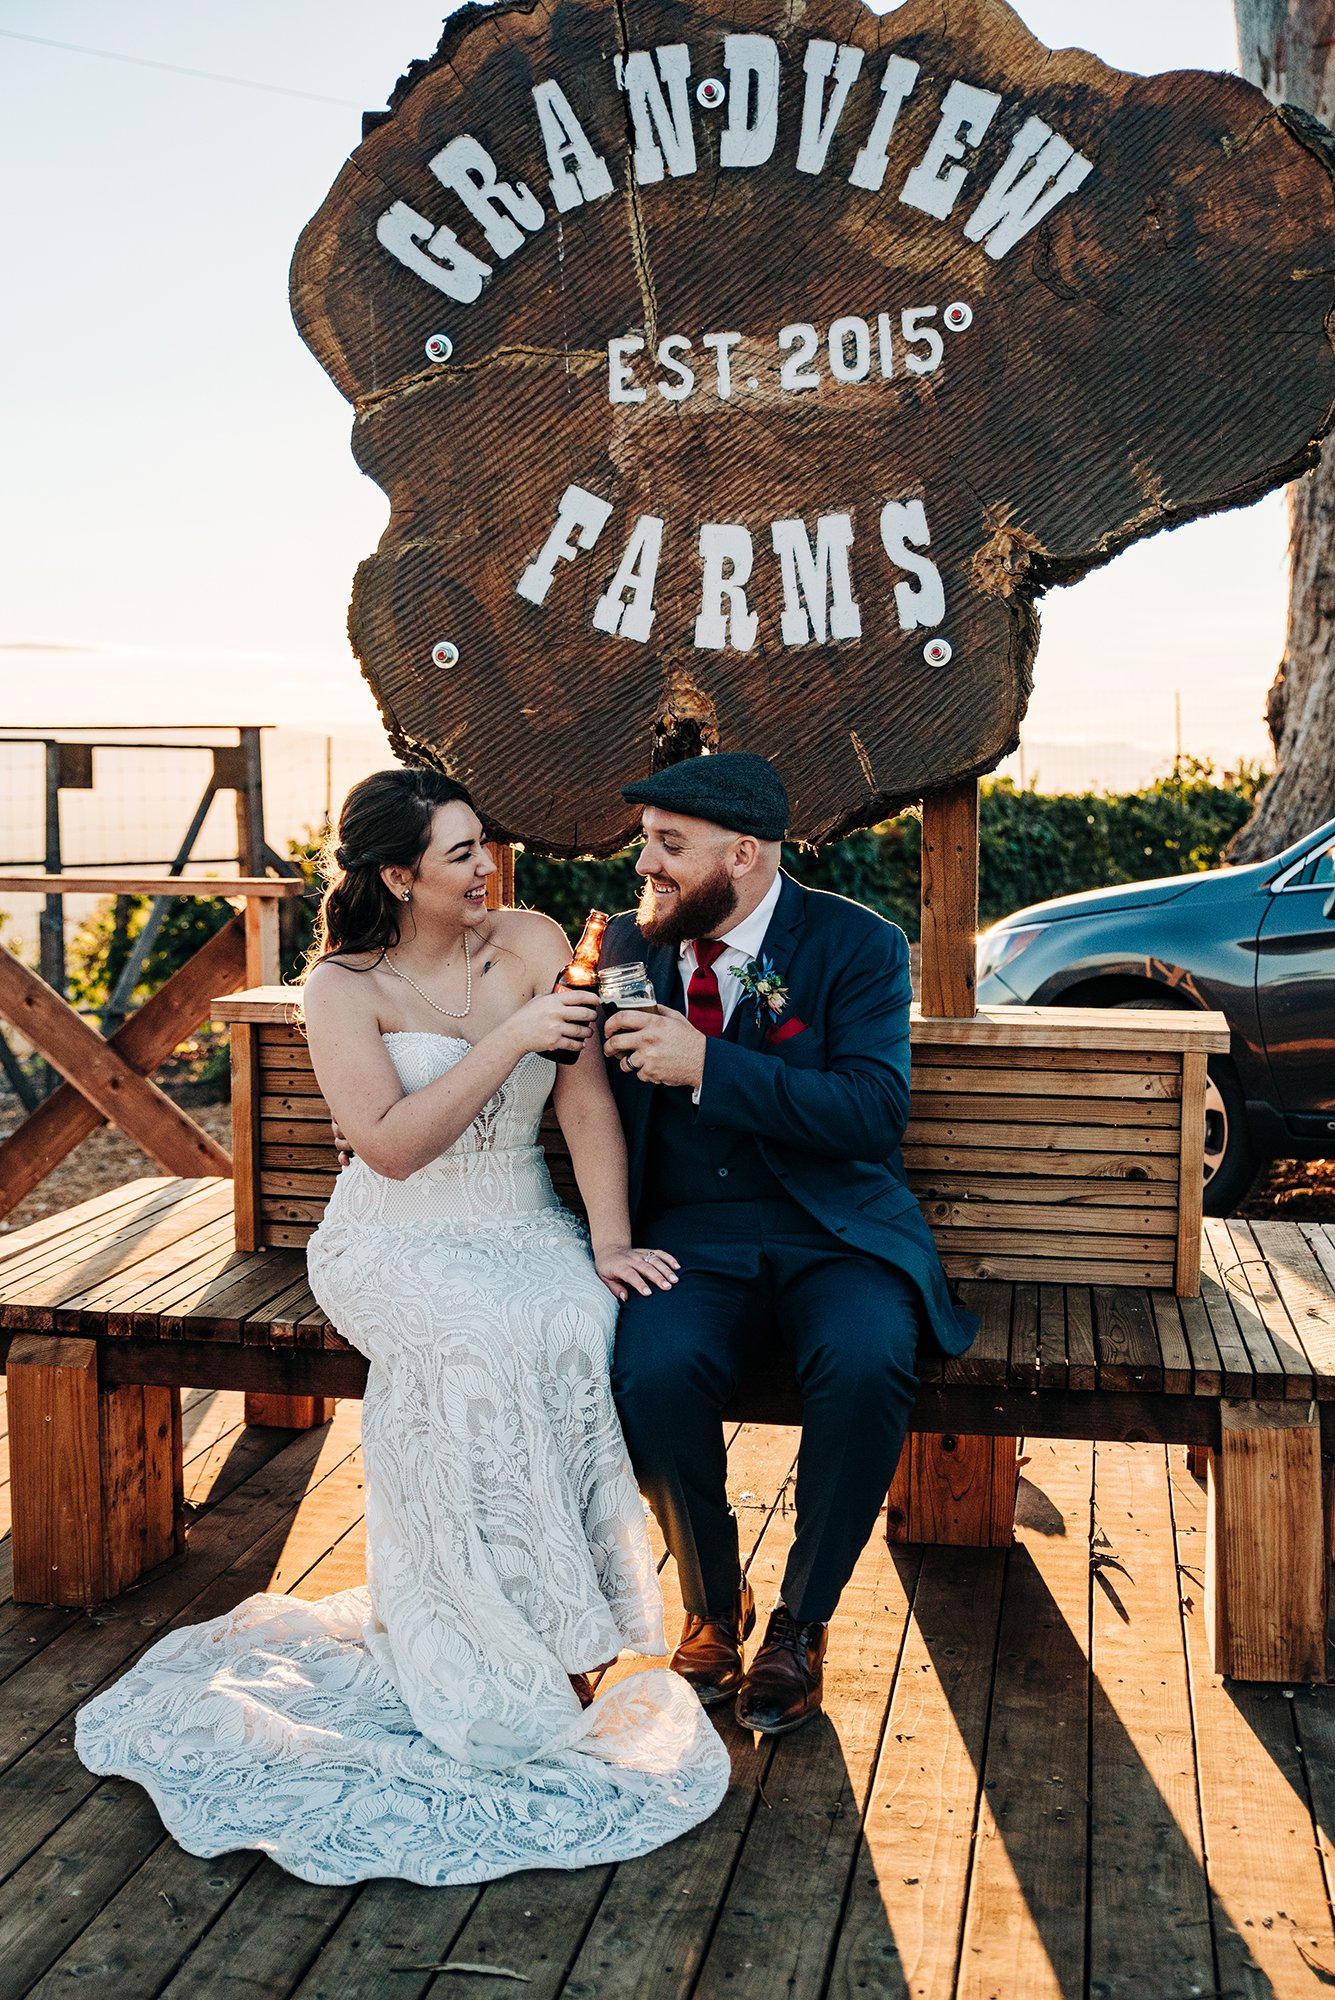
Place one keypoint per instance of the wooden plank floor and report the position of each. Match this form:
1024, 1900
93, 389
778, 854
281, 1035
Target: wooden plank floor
1028, 1782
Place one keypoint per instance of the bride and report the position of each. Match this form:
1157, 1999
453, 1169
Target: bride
439, 1725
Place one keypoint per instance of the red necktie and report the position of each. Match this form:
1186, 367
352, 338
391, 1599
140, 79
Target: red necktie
704, 1004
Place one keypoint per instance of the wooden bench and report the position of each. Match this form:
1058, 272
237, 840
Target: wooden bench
1046, 1143
109, 1309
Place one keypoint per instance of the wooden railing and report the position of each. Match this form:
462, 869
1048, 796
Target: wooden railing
110, 1081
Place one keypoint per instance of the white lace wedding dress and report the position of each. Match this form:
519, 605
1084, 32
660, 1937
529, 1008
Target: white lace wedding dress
424, 1726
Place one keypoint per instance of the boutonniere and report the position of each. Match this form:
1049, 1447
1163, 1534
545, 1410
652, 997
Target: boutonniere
762, 984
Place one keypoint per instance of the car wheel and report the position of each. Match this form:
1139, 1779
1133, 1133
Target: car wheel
1231, 1164
1230, 1160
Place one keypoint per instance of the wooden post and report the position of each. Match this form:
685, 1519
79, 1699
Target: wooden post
501, 885
1266, 1554
245, 1061
1191, 1178
288, 1413
51, 923
949, 901
954, 1490
263, 958
96, 1474
959, 1490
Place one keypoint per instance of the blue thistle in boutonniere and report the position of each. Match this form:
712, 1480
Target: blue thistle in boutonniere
763, 985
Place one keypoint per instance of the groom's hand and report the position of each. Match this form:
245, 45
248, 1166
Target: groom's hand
661, 1047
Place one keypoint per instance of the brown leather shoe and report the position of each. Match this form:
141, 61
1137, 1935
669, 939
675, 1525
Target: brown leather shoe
709, 1655
783, 1688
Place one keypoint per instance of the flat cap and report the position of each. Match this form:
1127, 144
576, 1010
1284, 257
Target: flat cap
734, 789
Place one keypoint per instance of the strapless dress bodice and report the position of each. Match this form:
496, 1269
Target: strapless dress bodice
493, 1175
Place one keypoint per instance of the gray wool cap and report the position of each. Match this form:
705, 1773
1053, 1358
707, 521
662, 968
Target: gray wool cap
734, 789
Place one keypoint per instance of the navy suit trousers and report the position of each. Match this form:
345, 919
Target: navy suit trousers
758, 1278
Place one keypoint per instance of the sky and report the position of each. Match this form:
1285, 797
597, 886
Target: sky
180, 515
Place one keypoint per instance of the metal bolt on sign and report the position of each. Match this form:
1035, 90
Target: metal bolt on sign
958, 317
710, 93
445, 654
938, 652
439, 347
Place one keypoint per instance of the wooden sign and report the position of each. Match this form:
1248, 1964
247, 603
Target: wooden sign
741, 378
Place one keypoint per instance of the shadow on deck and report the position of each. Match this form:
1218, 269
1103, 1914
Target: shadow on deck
1028, 1782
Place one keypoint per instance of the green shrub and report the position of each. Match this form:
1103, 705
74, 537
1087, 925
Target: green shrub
1033, 845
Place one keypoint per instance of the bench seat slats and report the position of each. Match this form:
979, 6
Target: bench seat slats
979, 1161
1023, 1361
1028, 1219
1174, 1351
1262, 1297
1130, 1114
1305, 1289
293, 1108
1053, 1366
1238, 1336
1064, 1269
1063, 1195
1132, 1086
1130, 1142
1128, 1344
1206, 1366
1082, 1372
1264, 1327
987, 1360
1082, 1062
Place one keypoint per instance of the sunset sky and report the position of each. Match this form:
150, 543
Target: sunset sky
180, 516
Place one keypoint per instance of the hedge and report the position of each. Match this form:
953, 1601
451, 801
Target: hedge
1033, 845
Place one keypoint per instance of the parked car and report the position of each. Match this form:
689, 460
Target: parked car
1256, 942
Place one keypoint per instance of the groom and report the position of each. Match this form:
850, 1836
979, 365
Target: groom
763, 1107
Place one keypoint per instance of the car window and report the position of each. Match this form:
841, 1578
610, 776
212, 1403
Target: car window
1324, 872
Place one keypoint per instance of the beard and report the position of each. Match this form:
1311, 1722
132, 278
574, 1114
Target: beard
700, 912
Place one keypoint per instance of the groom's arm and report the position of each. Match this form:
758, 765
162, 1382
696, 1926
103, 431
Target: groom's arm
856, 1105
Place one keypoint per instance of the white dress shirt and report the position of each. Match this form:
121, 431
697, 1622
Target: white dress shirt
740, 945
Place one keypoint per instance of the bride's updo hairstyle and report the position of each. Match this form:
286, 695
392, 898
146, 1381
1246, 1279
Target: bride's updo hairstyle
385, 822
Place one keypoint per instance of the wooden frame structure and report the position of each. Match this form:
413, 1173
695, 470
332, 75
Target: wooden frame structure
110, 1080
110, 1308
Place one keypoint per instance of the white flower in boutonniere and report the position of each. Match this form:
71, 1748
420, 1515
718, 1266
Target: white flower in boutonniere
761, 983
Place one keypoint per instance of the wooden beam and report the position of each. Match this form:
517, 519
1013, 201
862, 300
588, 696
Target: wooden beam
99, 1072
25, 883
96, 1474
263, 955
950, 900
1191, 1176
954, 1490
501, 885
1266, 1556
66, 1118
288, 1413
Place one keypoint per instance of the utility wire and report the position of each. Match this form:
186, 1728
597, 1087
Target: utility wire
178, 69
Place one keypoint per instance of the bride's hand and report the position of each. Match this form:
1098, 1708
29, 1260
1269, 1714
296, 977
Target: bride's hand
561, 1020
623, 1266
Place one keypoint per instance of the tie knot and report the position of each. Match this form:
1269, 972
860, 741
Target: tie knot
707, 950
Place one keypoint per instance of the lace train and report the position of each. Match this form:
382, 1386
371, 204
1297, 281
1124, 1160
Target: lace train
424, 1727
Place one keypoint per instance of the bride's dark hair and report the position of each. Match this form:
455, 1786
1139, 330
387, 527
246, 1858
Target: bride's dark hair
385, 822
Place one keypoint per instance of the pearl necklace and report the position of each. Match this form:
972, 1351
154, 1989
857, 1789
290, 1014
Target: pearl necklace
451, 1013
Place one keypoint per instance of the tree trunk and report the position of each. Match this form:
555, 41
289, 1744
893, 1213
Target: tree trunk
1288, 48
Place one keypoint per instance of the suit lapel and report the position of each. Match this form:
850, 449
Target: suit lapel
779, 943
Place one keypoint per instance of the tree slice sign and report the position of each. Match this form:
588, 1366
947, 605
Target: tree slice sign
740, 379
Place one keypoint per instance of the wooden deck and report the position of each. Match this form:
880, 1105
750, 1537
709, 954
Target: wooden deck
1028, 1782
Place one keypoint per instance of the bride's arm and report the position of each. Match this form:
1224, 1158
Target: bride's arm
394, 1131
588, 1118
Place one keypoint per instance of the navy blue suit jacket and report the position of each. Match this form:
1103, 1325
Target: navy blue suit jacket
823, 1088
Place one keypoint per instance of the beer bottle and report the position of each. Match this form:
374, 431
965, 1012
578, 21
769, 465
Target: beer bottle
582, 971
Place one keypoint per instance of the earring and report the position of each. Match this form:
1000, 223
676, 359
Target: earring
407, 896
